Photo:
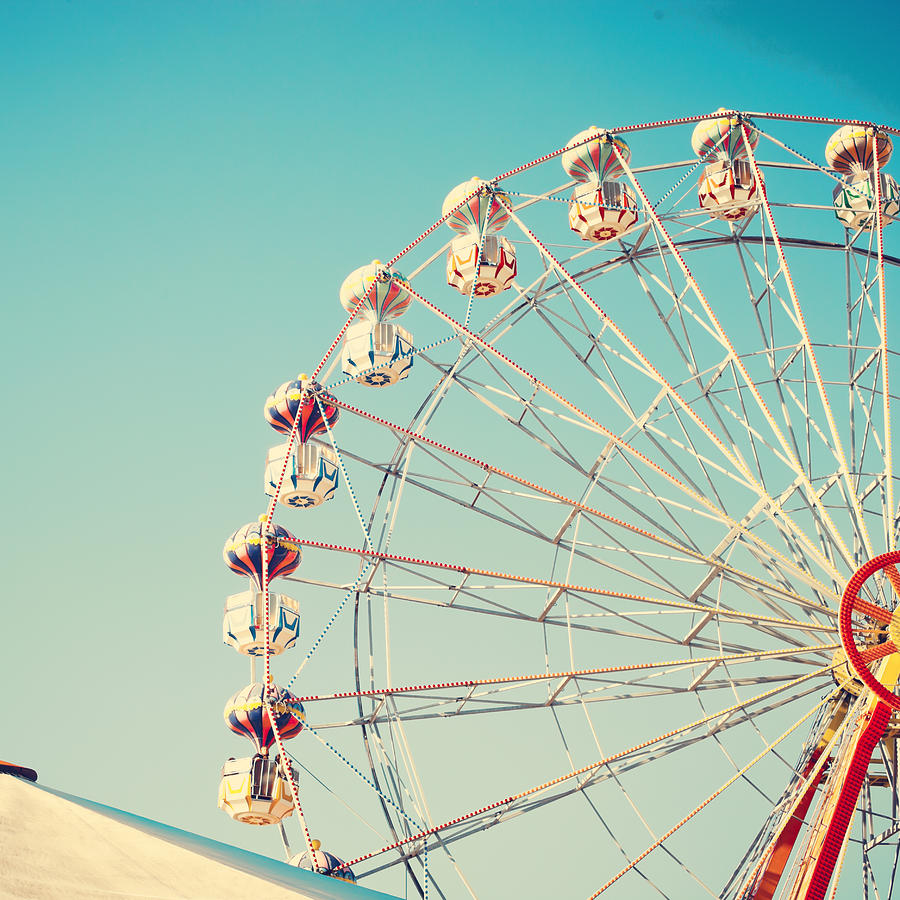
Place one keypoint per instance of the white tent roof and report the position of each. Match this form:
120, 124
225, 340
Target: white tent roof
58, 846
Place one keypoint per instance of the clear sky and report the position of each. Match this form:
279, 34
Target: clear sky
185, 186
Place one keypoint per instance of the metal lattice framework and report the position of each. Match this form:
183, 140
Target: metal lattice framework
608, 518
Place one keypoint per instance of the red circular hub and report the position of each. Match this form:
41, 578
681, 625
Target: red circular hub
855, 618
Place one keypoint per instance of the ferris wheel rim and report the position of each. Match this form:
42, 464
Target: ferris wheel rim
687, 245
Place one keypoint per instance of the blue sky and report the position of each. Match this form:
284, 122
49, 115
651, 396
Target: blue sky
185, 187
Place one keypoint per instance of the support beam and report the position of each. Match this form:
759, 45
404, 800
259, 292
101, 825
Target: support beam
817, 868
763, 884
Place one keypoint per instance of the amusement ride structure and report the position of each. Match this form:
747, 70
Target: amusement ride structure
610, 568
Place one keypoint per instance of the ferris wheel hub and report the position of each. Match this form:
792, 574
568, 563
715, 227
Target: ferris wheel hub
869, 625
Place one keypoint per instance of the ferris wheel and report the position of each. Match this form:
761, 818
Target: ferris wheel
599, 587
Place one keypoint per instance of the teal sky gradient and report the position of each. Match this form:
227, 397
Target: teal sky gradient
185, 186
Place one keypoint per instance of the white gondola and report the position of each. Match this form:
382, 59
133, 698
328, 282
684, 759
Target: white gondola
727, 190
497, 270
854, 201
311, 476
477, 210
255, 791
243, 626
602, 211
377, 353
